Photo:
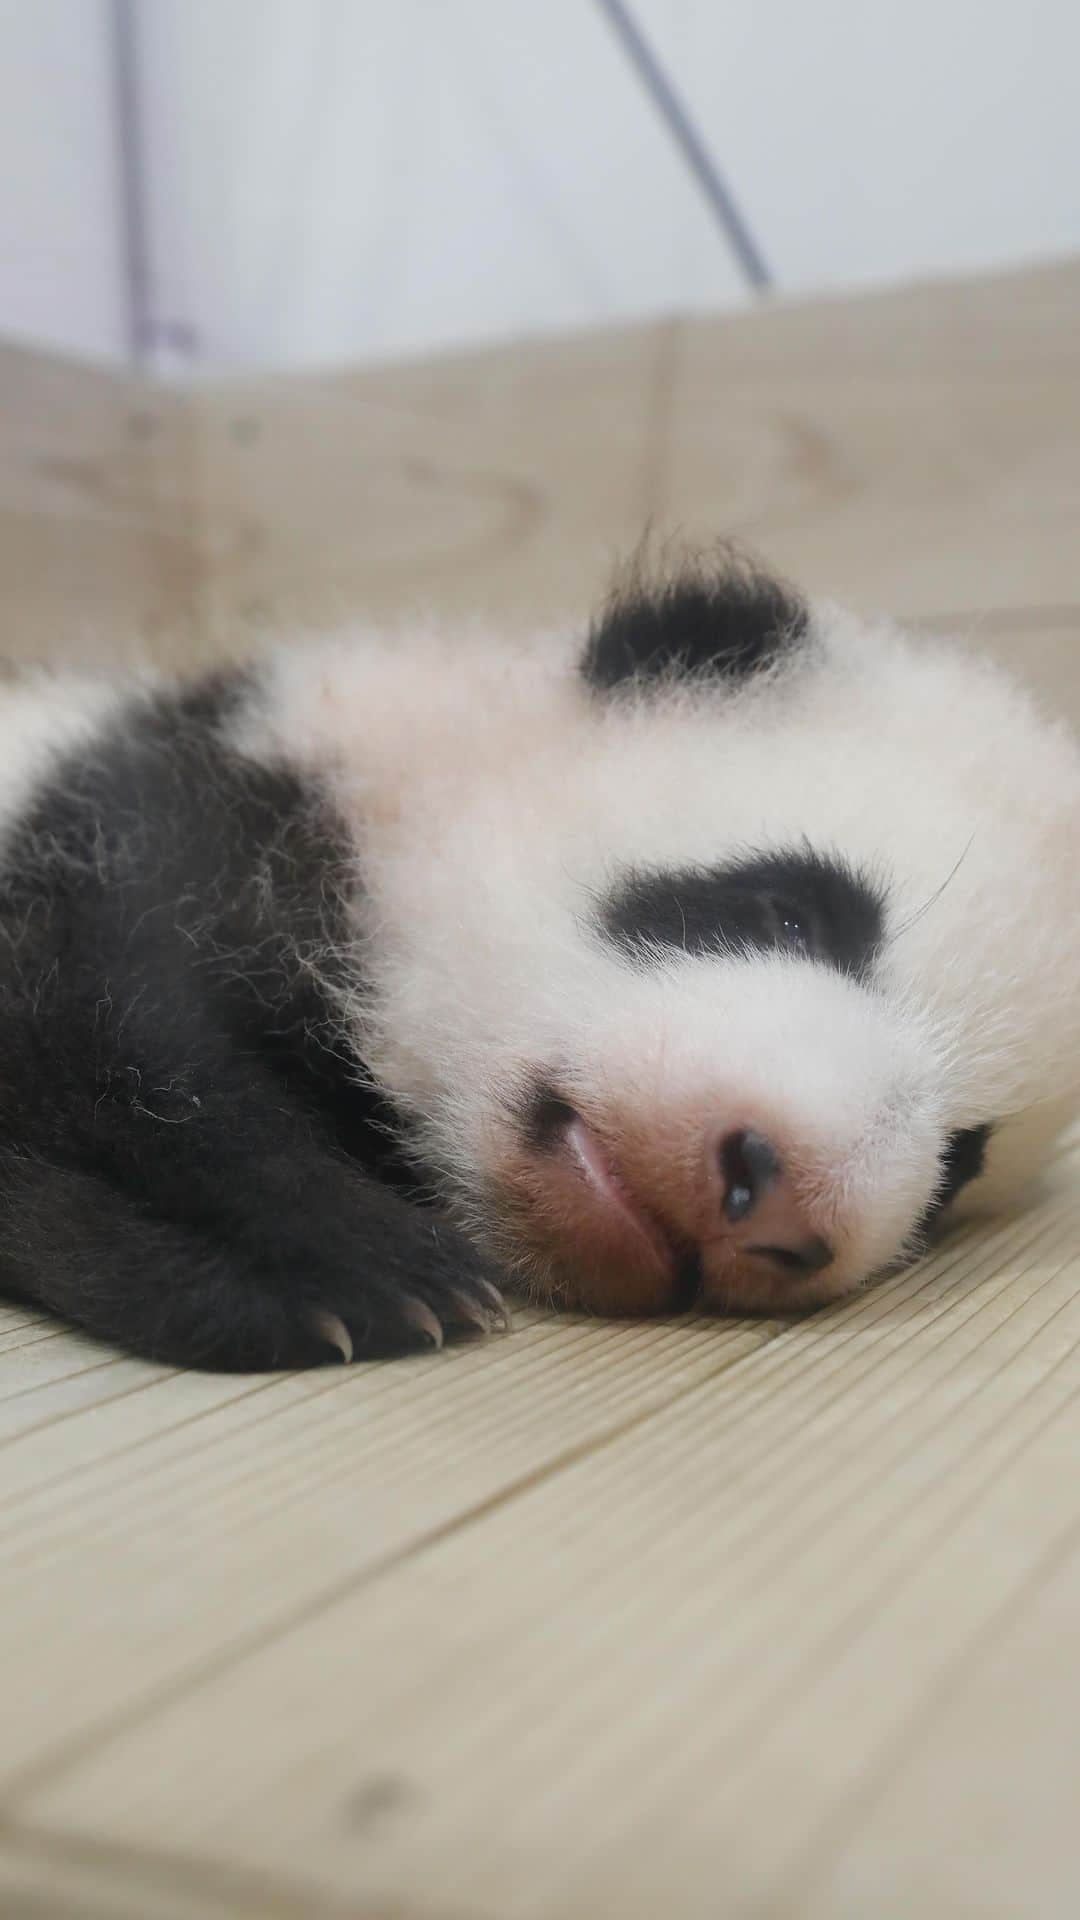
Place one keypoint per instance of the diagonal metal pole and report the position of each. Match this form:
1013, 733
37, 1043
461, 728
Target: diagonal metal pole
691, 145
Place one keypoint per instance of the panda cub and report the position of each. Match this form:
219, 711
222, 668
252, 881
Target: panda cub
699, 961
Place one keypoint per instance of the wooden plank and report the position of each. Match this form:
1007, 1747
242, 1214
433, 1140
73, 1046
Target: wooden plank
496, 485
18, 1315
972, 1810
44, 1355
164, 1531
82, 1377
865, 446
900, 451
99, 542
606, 1686
64, 1880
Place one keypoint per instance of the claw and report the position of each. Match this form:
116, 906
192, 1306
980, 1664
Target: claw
500, 1312
420, 1316
487, 1313
331, 1328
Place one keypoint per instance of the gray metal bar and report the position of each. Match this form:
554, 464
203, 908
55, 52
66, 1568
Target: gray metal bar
690, 143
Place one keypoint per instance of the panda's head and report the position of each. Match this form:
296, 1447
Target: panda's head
721, 957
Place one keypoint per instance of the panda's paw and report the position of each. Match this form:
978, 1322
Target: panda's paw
444, 1293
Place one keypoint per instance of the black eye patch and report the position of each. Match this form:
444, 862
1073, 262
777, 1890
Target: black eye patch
798, 902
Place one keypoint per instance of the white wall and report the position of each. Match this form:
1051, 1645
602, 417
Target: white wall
61, 278
329, 179
341, 176
873, 139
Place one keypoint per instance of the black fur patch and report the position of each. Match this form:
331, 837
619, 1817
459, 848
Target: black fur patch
736, 622
962, 1161
186, 1144
797, 901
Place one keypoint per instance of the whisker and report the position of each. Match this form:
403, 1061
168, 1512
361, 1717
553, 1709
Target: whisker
936, 895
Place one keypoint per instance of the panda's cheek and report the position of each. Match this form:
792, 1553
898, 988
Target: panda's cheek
584, 1238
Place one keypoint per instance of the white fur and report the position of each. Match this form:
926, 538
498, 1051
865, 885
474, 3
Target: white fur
42, 719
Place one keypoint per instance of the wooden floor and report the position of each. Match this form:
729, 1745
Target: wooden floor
687, 1621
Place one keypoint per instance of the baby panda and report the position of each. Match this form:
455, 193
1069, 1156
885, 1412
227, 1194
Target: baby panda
700, 960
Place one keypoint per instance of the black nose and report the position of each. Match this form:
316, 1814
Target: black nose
749, 1164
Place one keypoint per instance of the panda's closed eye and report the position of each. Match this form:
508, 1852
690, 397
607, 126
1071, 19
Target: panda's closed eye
794, 901
790, 927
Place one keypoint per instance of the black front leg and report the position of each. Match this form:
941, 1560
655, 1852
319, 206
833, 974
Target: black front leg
238, 1238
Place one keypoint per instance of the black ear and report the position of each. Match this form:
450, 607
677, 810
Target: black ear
963, 1159
734, 621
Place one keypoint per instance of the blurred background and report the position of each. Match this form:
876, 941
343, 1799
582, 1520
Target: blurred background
206, 185
316, 311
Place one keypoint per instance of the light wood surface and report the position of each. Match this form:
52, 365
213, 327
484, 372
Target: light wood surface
690, 1619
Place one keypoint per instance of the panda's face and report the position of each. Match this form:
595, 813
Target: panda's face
713, 961
748, 1123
